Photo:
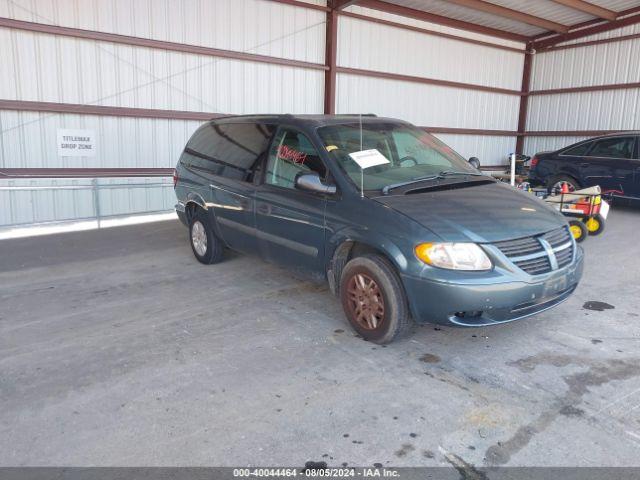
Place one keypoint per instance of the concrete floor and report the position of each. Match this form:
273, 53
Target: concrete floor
118, 348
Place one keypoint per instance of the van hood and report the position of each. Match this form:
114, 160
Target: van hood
481, 214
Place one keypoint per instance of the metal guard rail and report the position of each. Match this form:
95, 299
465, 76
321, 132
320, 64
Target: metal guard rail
83, 173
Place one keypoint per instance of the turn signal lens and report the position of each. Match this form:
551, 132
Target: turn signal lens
175, 177
454, 256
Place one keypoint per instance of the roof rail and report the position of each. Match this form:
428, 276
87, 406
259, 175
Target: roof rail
219, 116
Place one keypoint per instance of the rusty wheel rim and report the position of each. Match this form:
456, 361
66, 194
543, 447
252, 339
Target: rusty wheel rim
365, 301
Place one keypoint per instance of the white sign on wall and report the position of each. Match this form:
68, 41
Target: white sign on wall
76, 143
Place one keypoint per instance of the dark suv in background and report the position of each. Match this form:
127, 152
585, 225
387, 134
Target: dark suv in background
611, 161
400, 225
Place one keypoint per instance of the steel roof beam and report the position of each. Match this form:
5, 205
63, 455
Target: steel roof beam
590, 8
342, 4
588, 23
585, 32
440, 20
504, 12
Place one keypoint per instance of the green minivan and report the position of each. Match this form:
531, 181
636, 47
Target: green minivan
402, 228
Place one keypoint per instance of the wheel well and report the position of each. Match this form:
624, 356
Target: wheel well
359, 249
560, 175
345, 252
190, 210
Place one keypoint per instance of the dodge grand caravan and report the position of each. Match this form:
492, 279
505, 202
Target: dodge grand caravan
400, 225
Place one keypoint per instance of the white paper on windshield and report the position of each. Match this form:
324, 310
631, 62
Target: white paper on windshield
369, 158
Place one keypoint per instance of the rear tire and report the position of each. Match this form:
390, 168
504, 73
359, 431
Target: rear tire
207, 248
578, 230
556, 182
373, 299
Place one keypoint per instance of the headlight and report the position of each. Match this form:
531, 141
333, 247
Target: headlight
454, 256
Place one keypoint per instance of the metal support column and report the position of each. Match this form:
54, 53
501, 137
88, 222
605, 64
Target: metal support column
331, 45
524, 98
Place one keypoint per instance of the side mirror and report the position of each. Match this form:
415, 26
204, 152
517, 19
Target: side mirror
311, 182
474, 162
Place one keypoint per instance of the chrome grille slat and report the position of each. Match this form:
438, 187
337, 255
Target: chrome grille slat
557, 237
537, 261
520, 247
539, 265
529, 253
564, 257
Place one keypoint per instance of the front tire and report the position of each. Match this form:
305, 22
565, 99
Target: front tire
373, 299
206, 247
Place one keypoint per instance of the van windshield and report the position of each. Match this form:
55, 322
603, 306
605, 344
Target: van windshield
389, 153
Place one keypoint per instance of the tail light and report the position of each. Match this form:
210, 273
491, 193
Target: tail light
534, 161
175, 177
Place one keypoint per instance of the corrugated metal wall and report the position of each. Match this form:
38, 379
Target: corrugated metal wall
607, 63
256, 26
53, 68
373, 46
29, 140
69, 70
490, 149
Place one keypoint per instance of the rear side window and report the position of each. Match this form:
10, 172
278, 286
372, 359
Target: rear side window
232, 150
613, 148
579, 150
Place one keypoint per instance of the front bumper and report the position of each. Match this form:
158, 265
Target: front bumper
474, 304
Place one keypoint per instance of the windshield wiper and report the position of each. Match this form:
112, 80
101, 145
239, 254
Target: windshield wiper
445, 173
439, 176
387, 188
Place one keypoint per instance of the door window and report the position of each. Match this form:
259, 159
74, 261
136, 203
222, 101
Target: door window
291, 154
613, 148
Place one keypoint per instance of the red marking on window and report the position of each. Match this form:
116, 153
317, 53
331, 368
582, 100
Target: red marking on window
288, 153
428, 139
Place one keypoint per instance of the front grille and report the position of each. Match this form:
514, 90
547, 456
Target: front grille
519, 247
542, 253
536, 265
